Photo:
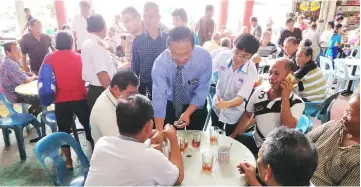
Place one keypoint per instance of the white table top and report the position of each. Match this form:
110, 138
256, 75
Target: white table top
266, 62
222, 174
349, 61
30, 88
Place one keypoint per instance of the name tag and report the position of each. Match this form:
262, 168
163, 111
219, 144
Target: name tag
194, 81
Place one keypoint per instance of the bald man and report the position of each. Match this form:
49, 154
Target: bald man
212, 45
272, 106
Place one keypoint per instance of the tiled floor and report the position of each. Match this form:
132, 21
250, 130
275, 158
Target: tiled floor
13, 172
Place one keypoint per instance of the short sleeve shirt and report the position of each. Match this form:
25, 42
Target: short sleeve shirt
11, 77
268, 112
79, 26
232, 84
36, 49
119, 162
96, 58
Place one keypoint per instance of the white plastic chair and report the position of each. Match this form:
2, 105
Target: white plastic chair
343, 75
324, 62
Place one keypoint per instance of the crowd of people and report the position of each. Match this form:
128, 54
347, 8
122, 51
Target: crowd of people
165, 81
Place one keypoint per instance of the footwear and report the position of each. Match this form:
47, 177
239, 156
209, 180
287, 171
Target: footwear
69, 164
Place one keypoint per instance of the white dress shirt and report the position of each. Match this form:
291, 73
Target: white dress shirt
96, 58
219, 50
126, 162
232, 84
103, 119
79, 26
220, 58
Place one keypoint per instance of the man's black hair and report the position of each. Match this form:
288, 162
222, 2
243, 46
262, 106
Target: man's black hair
132, 11
291, 155
96, 23
180, 33
289, 20
123, 79
7, 46
225, 42
181, 13
26, 10
292, 39
133, 113
209, 8
64, 40
247, 43
254, 19
331, 24
339, 18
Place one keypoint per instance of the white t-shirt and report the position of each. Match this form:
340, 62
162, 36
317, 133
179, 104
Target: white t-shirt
96, 58
267, 112
232, 84
103, 119
120, 162
312, 35
79, 26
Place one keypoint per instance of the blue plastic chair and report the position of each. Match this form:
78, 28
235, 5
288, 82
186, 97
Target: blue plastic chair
209, 108
49, 118
49, 146
320, 110
303, 124
17, 121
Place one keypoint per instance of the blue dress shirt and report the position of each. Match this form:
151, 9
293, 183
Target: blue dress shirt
196, 75
144, 51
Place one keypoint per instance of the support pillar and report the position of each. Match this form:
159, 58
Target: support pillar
19, 6
248, 12
223, 13
60, 13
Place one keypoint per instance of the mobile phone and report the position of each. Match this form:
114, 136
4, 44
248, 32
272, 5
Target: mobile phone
291, 77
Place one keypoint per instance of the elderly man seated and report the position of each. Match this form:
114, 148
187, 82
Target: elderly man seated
125, 160
338, 146
102, 117
312, 84
290, 49
12, 76
273, 106
286, 158
212, 45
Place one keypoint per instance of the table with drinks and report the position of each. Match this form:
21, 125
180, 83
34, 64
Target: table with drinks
211, 159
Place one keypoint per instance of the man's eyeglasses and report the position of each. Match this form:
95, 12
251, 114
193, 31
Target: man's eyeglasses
241, 54
179, 56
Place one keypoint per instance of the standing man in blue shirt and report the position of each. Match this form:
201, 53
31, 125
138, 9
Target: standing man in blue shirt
146, 48
181, 80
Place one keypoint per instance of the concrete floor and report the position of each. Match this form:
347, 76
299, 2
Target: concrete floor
13, 172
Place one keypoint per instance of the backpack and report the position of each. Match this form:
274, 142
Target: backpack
46, 82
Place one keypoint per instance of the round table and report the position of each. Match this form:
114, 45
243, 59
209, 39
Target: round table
29, 89
223, 174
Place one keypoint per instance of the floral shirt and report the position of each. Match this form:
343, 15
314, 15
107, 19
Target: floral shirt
11, 76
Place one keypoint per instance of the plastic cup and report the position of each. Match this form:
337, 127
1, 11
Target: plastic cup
207, 161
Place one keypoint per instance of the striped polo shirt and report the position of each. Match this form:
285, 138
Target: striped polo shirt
268, 112
312, 85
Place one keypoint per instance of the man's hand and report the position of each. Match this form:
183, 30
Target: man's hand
221, 104
26, 69
256, 58
287, 87
157, 138
169, 131
250, 172
184, 120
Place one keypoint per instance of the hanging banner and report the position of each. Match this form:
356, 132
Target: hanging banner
312, 6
